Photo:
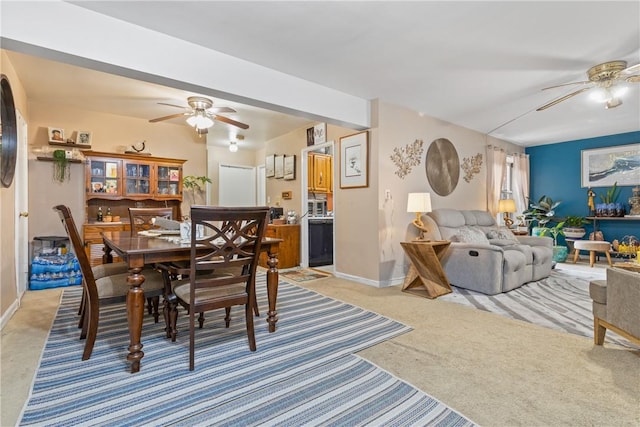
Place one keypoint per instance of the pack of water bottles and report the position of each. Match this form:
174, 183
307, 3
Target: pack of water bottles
53, 270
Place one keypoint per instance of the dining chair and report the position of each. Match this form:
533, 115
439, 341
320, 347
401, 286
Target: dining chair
231, 242
143, 218
102, 289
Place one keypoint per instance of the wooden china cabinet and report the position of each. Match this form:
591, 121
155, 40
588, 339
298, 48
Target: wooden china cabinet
115, 182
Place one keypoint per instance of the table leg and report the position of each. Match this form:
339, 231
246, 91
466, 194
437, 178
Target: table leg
135, 313
272, 289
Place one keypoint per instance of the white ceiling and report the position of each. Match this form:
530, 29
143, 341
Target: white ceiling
480, 65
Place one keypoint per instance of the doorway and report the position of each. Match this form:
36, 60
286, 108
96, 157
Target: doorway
307, 217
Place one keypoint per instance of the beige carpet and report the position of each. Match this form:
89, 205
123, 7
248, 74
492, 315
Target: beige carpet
496, 371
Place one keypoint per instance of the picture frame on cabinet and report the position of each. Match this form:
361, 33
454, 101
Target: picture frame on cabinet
269, 166
290, 167
56, 134
279, 166
84, 137
354, 164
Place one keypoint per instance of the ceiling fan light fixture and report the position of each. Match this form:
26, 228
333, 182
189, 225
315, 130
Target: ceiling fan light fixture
199, 120
613, 103
619, 90
233, 147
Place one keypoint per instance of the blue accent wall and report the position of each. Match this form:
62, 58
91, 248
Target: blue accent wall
556, 171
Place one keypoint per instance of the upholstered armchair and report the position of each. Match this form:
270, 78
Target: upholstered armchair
616, 303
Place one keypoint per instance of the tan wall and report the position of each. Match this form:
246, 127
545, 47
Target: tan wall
399, 127
8, 289
110, 133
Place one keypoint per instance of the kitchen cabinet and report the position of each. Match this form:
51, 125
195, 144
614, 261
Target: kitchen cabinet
320, 173
115, 182
289, 249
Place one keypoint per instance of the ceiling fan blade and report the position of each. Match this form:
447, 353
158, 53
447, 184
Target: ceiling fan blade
173, 105
216, 110
633, 79
630, 69
172, 116
231, 122
568, 84
562, 98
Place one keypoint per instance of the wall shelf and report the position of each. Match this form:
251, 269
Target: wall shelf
71, 146
50, 159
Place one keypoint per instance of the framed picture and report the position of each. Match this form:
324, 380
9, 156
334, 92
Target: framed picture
354, 161
84, 137
112, 170
174, 175
270, 166
320, 133
56, 135
310, 136
603, 167
290, 167
279, 166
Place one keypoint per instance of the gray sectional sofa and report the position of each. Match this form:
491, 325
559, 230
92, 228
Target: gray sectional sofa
484, 257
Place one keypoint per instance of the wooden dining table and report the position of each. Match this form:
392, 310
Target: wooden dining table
139, 251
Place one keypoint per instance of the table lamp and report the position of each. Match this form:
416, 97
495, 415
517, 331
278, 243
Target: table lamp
507, 206
419, 203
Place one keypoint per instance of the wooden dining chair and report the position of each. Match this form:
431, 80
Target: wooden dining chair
231, 243
108, 288
143, 218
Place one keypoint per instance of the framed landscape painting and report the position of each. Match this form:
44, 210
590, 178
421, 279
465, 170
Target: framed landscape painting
603, 167
270, 166
279, 166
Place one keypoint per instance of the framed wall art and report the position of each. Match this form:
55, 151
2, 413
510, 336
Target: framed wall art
270, 166
279, 166
354, 160
320, 133
56, 134
603, 167
84, 137
290, 167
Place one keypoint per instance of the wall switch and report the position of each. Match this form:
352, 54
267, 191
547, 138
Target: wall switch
387, 194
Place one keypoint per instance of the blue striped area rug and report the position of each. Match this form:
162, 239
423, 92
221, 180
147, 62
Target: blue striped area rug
560, 301
303, 374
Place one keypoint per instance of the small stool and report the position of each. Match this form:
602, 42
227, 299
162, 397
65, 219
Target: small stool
592, 246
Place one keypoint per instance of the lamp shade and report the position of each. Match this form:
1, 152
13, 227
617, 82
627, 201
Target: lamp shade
419, 202
507, 205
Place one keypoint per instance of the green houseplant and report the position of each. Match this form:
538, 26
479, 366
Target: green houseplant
573, 226
195, 185
560, 253
61, 169
541, 212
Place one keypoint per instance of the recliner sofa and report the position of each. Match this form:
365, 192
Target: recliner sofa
484, 257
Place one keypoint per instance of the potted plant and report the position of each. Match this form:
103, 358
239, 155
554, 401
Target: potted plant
560, 253
60, 166
195, 184
541, 212
609, 207
573, 227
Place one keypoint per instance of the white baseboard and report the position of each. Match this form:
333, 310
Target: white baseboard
369, 282
9, 313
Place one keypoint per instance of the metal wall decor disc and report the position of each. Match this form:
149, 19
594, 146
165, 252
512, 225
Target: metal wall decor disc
442, 166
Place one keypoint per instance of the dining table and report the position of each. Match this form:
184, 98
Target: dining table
139, 251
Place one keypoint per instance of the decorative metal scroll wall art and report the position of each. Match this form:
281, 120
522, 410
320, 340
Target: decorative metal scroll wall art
471, 166
405, 158
442, 166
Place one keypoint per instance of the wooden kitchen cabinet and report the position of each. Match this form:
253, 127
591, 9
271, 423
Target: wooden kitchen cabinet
289, 249
115, 182
320, 172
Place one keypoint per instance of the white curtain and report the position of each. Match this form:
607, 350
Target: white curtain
496, 165
521, 181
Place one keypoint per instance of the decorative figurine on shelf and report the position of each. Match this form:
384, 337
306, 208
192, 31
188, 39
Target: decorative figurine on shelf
592, 206
634, 201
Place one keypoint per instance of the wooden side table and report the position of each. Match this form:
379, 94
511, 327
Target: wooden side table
426, 277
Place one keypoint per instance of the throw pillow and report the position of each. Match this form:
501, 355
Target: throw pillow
502, 233
470, 235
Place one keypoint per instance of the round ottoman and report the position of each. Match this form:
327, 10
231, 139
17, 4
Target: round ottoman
592, 246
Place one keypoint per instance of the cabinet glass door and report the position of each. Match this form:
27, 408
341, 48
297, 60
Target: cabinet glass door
137, 178
104, 177
168, 180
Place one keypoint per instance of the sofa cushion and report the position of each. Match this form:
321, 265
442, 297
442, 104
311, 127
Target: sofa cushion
469, 235
502, 233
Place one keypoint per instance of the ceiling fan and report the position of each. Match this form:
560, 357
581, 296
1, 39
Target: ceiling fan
607, 78
201, 113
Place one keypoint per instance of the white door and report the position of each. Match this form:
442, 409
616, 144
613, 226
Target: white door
237, 185
262, 186
21, 204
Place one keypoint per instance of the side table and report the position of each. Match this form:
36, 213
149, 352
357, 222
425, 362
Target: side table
426, 277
